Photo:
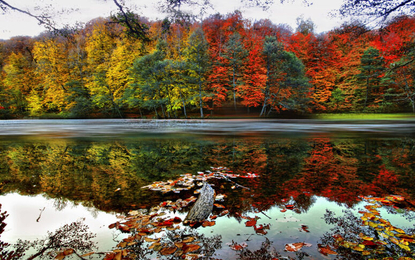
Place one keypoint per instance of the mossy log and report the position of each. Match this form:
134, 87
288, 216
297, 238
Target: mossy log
203, 205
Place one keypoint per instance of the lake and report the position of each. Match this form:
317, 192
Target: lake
285, 189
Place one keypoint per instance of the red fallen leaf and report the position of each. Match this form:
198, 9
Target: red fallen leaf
250, 223
213, 217
289, 206
284, 200
369, 243
208, 223
325, 250
177, 220
166, 223
283, 210
238, 247
261, 229
219, 206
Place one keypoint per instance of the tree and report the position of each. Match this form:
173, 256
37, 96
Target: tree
401, 76
150, 73
371, 71
197, 57
100, 47
53, 71
254, 73
235, 53
287, 86
19, 81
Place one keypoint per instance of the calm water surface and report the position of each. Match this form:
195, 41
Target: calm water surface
320, 191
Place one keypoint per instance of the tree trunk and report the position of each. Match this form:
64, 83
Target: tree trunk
200, 99
203, 206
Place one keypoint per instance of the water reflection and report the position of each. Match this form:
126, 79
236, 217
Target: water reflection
299, 179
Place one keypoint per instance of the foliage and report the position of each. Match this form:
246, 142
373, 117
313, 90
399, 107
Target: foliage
181, 67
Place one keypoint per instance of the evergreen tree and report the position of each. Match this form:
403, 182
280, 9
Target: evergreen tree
371, 71
198, 61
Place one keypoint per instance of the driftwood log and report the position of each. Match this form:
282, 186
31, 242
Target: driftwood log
203, 205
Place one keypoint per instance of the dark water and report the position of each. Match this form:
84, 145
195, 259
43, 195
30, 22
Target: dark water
314, 189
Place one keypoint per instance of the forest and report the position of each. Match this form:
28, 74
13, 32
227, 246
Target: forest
221, 65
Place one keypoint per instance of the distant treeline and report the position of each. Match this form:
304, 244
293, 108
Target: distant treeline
183, 68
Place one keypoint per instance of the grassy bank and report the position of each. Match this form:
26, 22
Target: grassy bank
364, 116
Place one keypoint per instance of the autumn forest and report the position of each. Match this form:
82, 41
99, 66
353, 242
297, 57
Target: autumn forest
185, 69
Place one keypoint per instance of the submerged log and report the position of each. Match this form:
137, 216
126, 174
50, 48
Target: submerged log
203, 206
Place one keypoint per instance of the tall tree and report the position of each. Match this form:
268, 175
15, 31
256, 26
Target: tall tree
401, 77
254, 73
198, 60
371, 71
236, 55
19, 81
287, 86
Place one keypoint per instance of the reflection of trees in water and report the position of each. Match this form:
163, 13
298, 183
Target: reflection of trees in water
108, 175
74, 237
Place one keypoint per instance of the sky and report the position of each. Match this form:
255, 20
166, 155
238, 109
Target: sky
17, 24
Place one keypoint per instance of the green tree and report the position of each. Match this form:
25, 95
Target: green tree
197, 57
236, 55
371, 72
149, 75
287, 85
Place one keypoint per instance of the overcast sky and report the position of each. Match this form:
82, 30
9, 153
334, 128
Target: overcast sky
15, 24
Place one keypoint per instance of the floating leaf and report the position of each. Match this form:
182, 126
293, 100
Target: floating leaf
147, 239
364, 237
64, 253
325, 250
190, 248
219, 206
251, 222
188, 239
305, 228
168, 250
294, 247
208, 223
87, 254
290, 206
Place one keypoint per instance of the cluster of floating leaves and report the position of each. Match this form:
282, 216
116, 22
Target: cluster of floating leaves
187, 181
384, 232
149, 227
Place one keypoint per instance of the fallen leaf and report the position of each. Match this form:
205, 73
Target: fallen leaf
188, 239
251, 223
304, 228
208, 223
147, 239
294, 247
219, 206
325, 250
168, 250
64, 253
289, 206
190, 248
87, 254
